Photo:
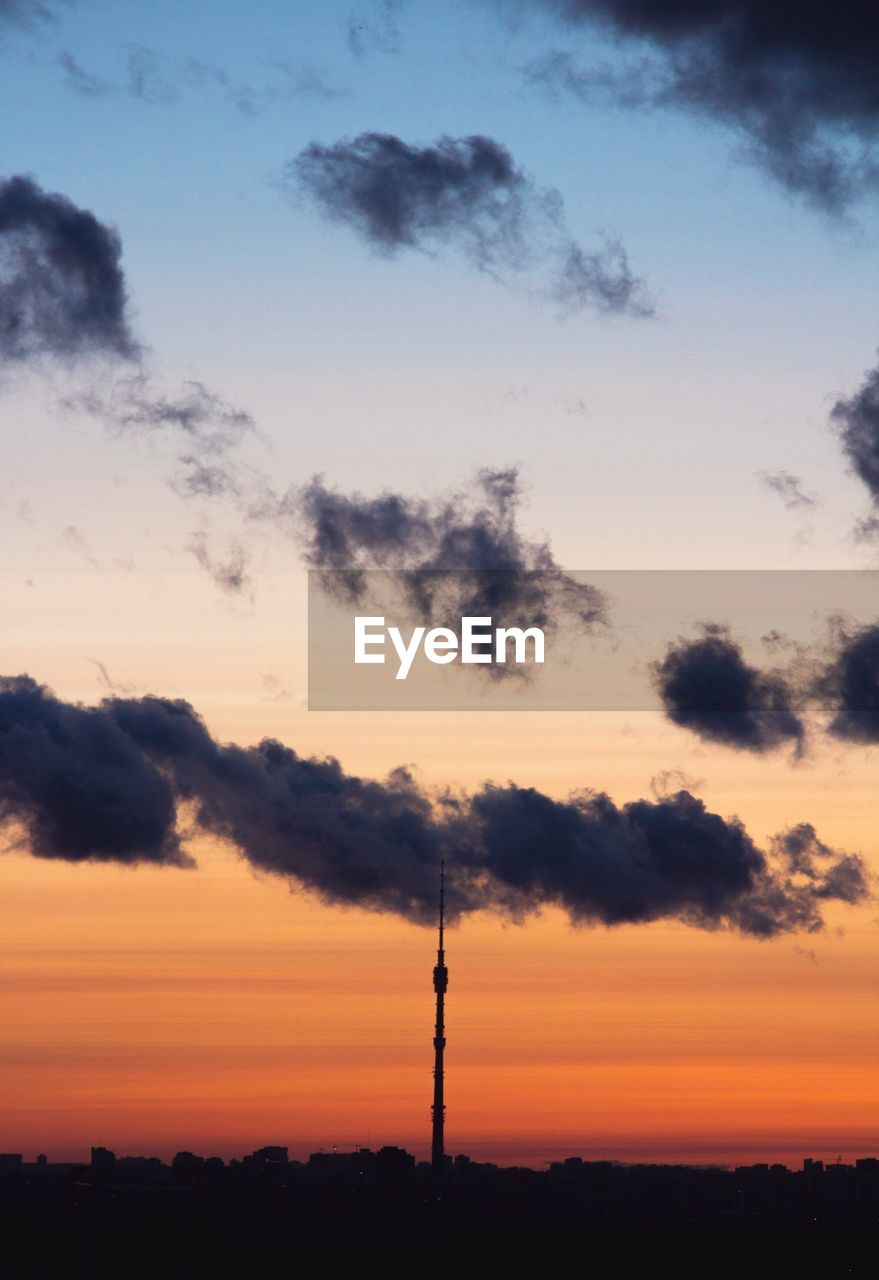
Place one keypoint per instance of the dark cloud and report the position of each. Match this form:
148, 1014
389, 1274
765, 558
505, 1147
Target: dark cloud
789, 488
459, 554
103, 782
856, 419
477, 529
456, 556
707, 686
816, 871
62, 294
371, 844
62, 290
648, 860
77, 785
848, 684
834, 874
465, 194
796, 78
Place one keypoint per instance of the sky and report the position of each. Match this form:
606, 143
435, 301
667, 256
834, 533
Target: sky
152, 1008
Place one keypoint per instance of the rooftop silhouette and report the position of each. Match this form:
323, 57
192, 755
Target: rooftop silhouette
140, 1216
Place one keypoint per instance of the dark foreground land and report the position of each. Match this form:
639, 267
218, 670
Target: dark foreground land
342, 1213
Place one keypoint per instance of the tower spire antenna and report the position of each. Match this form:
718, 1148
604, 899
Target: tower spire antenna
440, 983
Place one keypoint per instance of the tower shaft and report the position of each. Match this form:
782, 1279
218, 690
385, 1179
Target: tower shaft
440, 983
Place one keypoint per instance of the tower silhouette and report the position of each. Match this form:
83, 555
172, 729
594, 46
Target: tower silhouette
440, 983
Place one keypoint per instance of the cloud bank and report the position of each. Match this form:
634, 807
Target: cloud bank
104, 783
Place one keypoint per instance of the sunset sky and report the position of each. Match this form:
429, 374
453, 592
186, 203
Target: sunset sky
151, 1009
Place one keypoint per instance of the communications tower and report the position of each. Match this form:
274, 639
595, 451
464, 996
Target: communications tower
440, 983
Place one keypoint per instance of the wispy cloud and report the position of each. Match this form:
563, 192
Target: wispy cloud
153, 79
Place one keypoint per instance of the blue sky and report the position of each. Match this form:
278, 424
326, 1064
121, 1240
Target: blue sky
414, 371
